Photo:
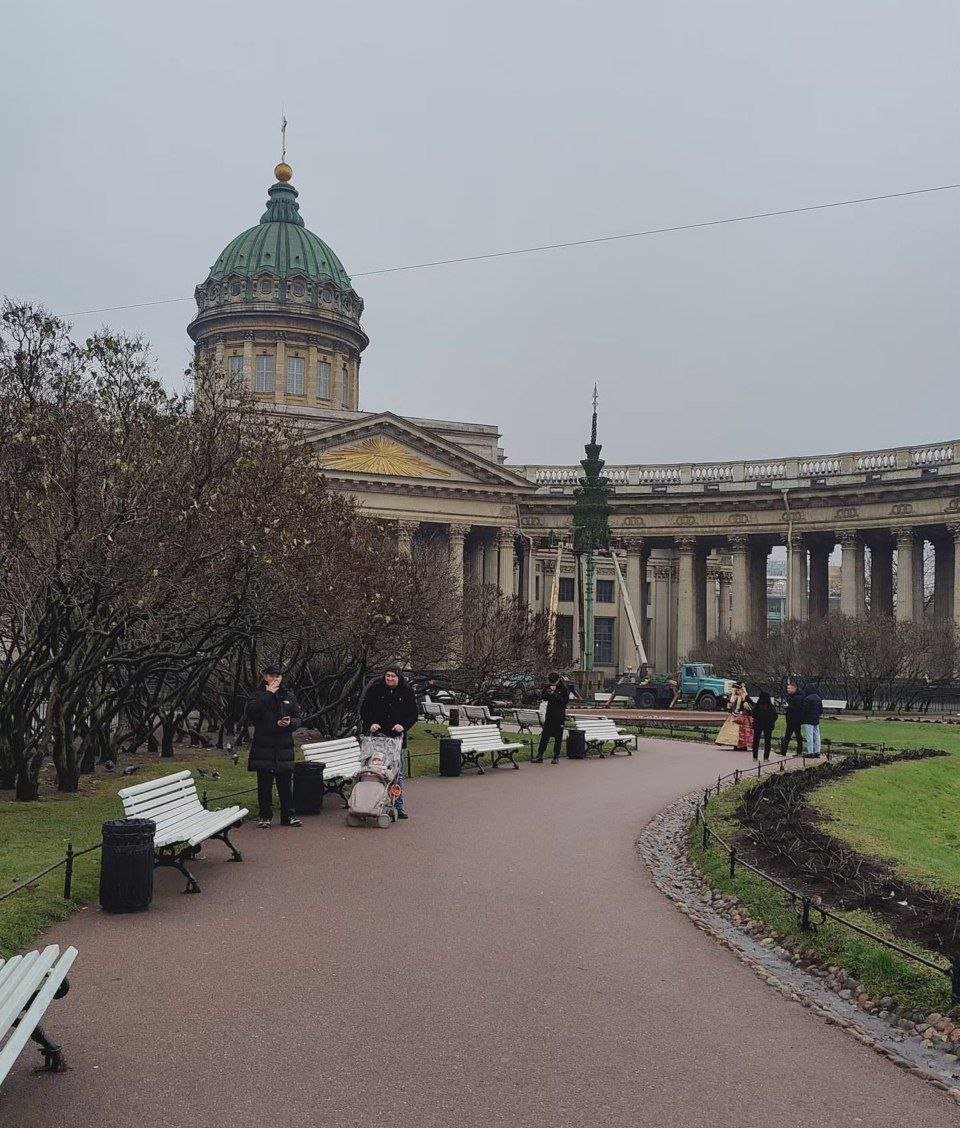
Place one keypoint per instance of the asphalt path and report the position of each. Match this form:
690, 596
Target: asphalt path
502, 958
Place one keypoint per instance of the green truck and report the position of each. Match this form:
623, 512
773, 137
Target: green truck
700, 688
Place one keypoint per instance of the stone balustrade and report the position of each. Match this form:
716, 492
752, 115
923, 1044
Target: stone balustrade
788, 473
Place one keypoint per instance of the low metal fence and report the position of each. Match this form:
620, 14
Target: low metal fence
66, 862
804, 904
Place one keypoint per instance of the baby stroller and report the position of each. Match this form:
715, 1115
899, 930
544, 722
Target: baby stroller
376, 791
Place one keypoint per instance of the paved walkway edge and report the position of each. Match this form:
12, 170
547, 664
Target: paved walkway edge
663, 847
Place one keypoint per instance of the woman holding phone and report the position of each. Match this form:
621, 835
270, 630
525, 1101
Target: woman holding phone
275, 714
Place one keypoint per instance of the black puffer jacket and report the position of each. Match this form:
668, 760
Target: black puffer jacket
793, 710
387, 706
812, 707
271, 749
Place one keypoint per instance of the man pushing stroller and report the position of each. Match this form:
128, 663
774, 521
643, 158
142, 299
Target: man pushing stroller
389, 708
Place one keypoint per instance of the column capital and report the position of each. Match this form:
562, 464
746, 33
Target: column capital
905, 533
739, 543
714, 571
632, 544
954, 530
848, 538
458, 531
507, 536
406, 526
662, 572
686, 544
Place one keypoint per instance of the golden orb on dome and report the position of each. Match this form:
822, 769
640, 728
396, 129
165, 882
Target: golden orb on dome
283, 172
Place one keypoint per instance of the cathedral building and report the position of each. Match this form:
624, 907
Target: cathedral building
692, 539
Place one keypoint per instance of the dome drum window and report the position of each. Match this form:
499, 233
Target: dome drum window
265, 374
295, 367
323, 380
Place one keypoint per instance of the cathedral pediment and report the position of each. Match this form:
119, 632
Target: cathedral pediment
387, 447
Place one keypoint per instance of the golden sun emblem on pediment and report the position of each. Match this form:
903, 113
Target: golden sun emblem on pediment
379, 455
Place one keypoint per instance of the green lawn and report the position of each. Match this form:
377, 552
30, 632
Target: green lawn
907, 814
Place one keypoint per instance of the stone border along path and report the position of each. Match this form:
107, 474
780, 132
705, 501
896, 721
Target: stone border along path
663, 847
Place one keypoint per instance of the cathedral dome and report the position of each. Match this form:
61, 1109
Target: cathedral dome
279, 263
282, 246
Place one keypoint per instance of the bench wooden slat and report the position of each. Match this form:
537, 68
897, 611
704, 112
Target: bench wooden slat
53, 974
25, 980
341, 757
138, 788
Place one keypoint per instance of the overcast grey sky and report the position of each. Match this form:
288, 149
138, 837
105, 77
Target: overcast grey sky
139, 139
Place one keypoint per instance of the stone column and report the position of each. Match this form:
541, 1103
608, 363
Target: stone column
405, 531
506, 541
906, 584
248, 362
635, 580
819, 580
881, 578
797, 578
458, 534
851, 573
918, 593
943, 568
725, 579
742, 616
713, 609
280, 372
661, 617
954, 531
691, 611
489, 557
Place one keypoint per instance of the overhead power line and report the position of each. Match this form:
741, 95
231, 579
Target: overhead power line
583, 242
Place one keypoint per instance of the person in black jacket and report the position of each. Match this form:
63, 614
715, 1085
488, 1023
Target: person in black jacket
556, 696
764, 718
812, 712
275, 714
390, 707
792, 716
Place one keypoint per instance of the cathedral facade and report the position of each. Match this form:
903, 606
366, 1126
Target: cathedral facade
692, 539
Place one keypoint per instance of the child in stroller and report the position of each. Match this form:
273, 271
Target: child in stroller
375, 793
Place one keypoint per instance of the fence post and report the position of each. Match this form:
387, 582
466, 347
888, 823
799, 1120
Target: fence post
68, 873
706, 834
805, 915
696, 817
955, 980
409, 764
203, 799
733, 860
706, 797
718, 785
736, 776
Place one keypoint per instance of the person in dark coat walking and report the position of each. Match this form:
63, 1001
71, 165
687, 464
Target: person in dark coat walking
556, 694
764, 718
275, 714
812, 712
792, 716
389, 707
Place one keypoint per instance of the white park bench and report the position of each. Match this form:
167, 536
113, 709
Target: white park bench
477, 740
599, 731
480, 715
341, 760
183, 823
28, 984
436, 712
527, 719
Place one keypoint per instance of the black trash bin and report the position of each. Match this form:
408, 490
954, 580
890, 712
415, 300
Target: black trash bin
450, 761
454, 715
576, 745
308, 788
126, 865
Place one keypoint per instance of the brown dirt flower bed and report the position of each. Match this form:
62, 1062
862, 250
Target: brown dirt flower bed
784, 836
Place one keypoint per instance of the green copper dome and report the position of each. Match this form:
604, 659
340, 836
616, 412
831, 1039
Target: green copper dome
280, 245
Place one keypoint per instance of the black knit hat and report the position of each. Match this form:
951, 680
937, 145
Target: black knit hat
273, 670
